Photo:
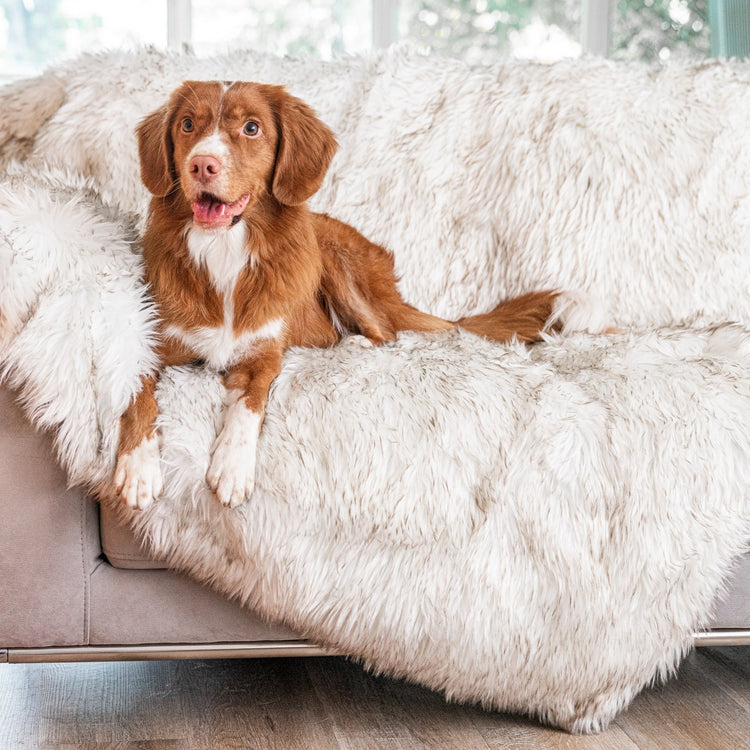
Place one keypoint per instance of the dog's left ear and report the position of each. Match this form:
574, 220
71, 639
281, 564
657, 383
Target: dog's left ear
306, 147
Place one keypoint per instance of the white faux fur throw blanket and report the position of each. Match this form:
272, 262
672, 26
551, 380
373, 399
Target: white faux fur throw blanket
538, 529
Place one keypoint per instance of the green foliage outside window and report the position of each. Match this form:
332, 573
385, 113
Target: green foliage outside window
34, 33
482, 30
648, 30
654, 30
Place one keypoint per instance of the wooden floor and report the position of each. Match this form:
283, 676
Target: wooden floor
321, 703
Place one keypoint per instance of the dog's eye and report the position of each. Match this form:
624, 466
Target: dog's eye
187, 125
251, 129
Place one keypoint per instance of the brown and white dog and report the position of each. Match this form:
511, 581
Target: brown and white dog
241, 269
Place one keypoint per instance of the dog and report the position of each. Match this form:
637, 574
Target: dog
241, 269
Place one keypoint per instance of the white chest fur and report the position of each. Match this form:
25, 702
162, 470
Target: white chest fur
224, 255
222, 252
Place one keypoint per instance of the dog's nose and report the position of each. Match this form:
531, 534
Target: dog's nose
204, 168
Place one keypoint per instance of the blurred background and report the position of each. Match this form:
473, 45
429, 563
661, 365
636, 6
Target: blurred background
37, 33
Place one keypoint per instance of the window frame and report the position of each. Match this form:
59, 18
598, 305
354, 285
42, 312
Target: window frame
179, 24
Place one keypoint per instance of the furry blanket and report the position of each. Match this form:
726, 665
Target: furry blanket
538, 529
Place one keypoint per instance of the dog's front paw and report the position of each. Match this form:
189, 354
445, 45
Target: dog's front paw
231, 474
138, 480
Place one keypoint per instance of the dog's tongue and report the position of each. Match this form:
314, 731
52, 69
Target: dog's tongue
210, 212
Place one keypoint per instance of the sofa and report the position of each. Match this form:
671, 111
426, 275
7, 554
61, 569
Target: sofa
78, 587
496, 506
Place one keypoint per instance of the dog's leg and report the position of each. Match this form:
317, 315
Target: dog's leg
347, 301
231, 474
359, 287
138, 479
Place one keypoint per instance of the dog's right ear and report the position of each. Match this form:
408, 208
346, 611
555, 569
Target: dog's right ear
155, 151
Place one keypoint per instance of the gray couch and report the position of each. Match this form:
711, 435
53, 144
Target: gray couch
76, 586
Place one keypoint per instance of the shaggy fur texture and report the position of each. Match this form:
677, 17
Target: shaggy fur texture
537, 529
621, 180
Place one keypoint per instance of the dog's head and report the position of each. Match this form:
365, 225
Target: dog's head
224, 146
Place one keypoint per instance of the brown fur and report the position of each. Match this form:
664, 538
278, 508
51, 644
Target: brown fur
139, 421
254, 377
301, 267
519, 317
359, 282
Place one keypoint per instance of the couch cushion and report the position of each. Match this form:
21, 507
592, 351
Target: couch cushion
49, 540
160, 606
120, 546
733, 608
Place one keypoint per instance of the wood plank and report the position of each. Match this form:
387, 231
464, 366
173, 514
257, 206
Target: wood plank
139, 745
102, 704
514, 733
692, 712
729, 667
327, 704
370, 712
264, 703
16, 702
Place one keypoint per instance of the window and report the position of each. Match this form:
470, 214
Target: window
37, 33
483, 30
322, 28
654, 30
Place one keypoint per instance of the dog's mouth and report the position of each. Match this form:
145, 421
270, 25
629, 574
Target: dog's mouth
210, 212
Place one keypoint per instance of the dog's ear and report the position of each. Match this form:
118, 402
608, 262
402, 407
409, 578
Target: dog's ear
155, 151
306, 147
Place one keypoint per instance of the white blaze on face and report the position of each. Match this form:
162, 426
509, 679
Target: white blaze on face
211, 197
212, 145
231, 474
215, 146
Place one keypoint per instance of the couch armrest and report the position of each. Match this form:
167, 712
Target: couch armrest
49, 542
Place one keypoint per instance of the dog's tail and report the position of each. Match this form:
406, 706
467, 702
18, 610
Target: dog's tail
528, 317
525, 318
